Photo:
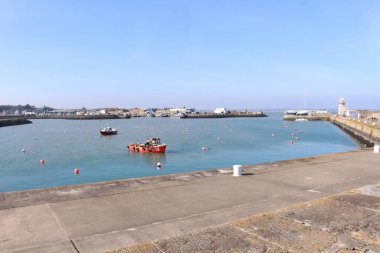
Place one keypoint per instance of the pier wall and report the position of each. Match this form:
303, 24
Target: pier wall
365, 132
13, 122
309, 118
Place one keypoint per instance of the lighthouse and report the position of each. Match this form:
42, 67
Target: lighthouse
342, 109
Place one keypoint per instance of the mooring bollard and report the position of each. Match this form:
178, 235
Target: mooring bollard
237, 170
376, 148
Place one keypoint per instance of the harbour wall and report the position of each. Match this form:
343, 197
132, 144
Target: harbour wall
309, 118
365, 132
228, 115
79, 117
13, 122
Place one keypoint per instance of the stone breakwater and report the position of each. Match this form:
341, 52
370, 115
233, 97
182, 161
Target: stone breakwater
228, 115
363, 131
79, 117
309, 118
13, 122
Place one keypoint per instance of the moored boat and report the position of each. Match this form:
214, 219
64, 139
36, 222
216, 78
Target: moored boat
152, 145
108, 131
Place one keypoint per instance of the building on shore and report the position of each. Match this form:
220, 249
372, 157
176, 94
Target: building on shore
62, 112
137, 112
184, 110
220, 110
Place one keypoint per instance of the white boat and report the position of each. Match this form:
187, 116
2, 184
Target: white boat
108, 131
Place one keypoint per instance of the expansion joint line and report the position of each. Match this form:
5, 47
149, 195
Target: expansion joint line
75, 247
157, 247
61, 228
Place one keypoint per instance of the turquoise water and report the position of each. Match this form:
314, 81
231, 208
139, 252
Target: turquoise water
69, 144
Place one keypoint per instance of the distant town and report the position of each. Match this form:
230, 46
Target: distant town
30, 111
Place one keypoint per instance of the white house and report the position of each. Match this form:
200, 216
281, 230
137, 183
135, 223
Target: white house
102, 111
220, 111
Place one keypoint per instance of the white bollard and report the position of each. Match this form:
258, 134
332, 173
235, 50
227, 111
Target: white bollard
237, 170
376, 148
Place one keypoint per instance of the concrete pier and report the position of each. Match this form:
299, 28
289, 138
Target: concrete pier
13, 122
111, 215
364, 131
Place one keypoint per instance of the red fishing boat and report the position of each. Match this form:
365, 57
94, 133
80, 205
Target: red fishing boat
152, 145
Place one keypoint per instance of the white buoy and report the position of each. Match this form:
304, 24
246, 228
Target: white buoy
236, 170
376, 148
203, 149
273, 135
23, 150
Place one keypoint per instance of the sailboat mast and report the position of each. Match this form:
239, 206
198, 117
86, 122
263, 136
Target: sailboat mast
304, 102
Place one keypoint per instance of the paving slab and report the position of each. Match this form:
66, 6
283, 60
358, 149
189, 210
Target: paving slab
29, 226
60, 247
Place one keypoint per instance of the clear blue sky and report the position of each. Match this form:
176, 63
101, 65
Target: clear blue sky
202, 54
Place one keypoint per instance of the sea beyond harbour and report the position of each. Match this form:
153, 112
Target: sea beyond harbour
69, 144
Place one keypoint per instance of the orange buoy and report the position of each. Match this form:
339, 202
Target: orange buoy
42, 161
76, 171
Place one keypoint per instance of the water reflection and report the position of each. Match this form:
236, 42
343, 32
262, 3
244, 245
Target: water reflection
150, 159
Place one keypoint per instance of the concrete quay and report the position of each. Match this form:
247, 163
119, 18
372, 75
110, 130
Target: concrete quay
112, 215
364, 131
345, 222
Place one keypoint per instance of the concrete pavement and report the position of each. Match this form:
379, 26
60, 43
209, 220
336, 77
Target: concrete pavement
111, 215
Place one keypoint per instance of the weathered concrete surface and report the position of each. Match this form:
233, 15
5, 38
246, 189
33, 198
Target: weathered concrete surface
347, 222
111, 215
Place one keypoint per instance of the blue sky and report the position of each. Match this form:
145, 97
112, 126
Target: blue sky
202, 54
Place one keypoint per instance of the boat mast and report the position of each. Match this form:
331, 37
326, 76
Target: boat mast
304, 102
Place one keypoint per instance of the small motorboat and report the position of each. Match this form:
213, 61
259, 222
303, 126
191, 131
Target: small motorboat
108, 131
152, 145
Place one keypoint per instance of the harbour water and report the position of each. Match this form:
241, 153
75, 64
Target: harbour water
69, 144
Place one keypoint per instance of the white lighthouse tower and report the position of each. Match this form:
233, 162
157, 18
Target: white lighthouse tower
342, 109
